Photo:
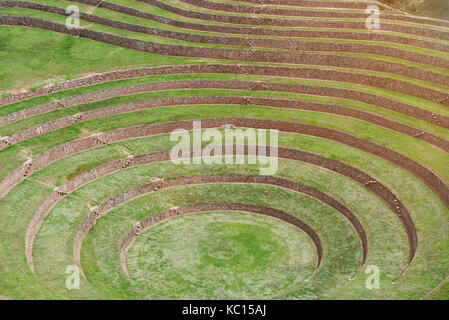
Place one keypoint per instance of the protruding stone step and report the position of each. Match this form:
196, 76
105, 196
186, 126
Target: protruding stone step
370, 182
4, 142
128, 162
28, 165
99, 4
99, 140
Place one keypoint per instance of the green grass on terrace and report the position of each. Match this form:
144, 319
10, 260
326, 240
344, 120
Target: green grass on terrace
29, 57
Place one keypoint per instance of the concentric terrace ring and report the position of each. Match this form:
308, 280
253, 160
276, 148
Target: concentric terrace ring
255, 209
377, 188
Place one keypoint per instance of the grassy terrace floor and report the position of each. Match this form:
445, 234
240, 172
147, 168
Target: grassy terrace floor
41, 57
114, 15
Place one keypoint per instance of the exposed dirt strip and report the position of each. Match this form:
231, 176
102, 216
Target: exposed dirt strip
64, 122
236, 8
256, 209
310, 23
288, 72
236, 55
318, 46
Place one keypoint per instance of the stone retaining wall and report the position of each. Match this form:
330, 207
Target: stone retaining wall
252, 43
227, 7
368, 80
308, 73
277, 22
41, 161
236, 55
267, 32
121, 164
223, 100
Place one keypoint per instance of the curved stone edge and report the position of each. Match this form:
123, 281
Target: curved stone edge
255, 31
426, 175
314, 3
348, 94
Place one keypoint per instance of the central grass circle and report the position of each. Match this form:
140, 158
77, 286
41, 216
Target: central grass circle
220, 255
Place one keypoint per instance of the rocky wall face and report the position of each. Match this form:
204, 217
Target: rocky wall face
233, 100
306, 3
